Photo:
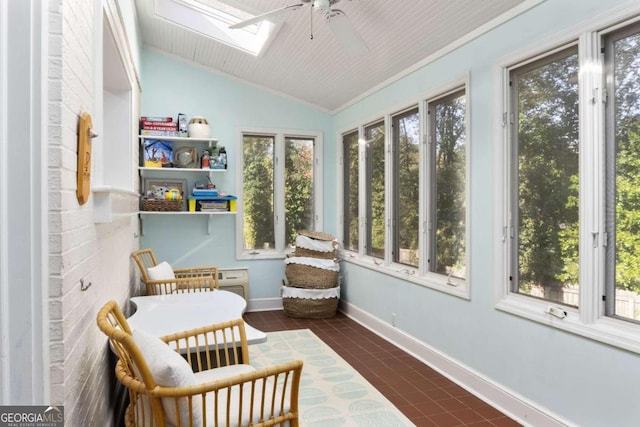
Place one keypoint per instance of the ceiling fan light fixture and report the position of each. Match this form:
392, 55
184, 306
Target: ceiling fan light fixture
322, 5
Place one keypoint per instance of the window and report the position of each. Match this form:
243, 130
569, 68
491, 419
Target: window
404, 193
212, 18
622, 65
375, 163
571, 214
298, 186
350, 156
278, 197
447, 183
258, 193
545, 167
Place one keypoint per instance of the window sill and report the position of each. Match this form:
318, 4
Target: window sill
438, 282
617, 333
261, 255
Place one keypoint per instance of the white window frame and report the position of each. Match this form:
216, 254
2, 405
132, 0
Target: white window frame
421, 275
279, 136
588, 319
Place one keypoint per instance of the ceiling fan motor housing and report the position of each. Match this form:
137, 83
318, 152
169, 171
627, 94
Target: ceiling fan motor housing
322, 5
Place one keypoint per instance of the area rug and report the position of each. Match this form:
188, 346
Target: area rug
332, 393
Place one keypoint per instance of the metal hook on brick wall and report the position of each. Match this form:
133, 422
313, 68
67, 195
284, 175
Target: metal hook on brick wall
82, 285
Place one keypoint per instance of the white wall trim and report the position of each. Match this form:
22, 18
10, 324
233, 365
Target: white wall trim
517, 407
4, 225
24, 274
264, 304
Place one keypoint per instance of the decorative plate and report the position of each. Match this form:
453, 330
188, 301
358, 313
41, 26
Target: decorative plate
186, 157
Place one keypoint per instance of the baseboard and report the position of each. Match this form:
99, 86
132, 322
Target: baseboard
510, 403
264, 304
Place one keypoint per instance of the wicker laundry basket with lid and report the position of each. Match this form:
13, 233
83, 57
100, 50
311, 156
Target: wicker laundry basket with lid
313, 273
316, 244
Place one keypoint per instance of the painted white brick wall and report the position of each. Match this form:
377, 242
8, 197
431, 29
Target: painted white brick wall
79, 249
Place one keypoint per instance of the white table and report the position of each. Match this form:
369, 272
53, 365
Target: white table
165, 314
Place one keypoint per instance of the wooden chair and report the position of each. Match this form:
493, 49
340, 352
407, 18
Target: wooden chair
224, 390
190, 279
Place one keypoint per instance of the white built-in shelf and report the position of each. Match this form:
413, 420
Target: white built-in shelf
185, 213
210, 215
177, 138
179, 170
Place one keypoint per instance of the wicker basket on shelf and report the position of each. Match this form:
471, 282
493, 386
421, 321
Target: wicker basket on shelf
161, 205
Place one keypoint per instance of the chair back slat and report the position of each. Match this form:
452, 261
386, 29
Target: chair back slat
145, 258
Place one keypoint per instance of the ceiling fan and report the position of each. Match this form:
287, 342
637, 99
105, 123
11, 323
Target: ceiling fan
337, 21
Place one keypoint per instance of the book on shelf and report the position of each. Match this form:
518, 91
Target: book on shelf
159, 125
150, 132
155, 119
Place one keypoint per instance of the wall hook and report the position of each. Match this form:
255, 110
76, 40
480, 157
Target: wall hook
84, 287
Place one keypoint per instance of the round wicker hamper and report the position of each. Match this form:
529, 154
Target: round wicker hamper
306, 276
316, 244
317, 305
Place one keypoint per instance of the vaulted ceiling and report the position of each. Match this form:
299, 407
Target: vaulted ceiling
398, 33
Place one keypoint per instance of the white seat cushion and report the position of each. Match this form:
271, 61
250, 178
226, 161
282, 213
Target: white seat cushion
169, 369
223, 372
227, 371
162, 271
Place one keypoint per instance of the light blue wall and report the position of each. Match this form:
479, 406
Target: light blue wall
170, 87
587, 383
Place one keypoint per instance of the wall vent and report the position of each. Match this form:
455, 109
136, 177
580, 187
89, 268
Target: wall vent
235, 280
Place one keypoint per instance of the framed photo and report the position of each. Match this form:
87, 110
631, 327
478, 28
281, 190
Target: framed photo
157, 153
157, 188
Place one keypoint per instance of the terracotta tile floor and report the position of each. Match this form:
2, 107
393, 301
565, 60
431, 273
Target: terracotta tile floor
424, 396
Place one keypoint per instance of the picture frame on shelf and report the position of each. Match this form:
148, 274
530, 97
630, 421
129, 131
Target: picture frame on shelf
157, 153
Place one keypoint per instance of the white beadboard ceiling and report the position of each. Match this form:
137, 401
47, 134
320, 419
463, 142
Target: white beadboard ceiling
399, 34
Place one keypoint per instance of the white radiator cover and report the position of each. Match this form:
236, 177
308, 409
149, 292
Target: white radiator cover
235, 280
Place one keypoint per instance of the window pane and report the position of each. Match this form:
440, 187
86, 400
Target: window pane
374, 135
448, 118
406, 140
351, 210
547, 176
298, 189
257, 192
624, 141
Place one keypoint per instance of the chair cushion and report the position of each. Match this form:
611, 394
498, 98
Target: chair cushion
222, 372
169, 369
163, 271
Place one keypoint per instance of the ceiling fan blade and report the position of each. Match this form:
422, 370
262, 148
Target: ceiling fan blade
266, 15
345, 32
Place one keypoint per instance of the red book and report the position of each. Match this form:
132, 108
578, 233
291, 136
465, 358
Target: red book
145, 125
149, 127
155, 119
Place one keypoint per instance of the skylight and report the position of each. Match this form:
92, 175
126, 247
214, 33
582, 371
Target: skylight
212, 18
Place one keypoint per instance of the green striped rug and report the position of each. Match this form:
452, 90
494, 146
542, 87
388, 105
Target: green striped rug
332, 393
